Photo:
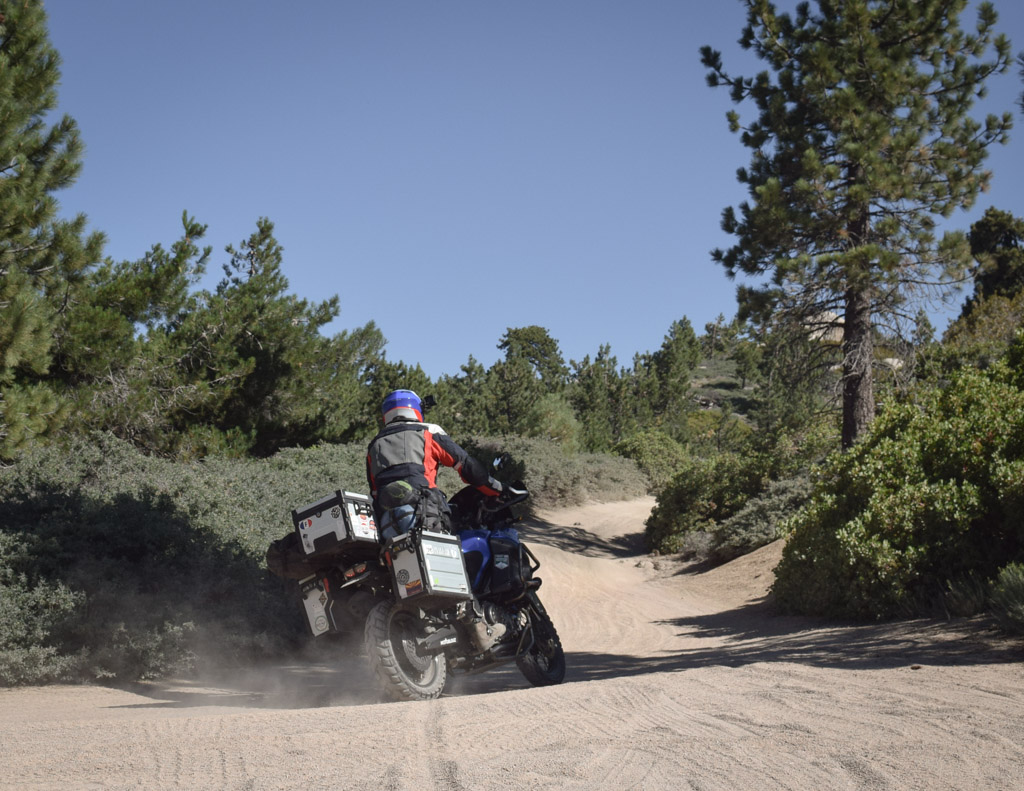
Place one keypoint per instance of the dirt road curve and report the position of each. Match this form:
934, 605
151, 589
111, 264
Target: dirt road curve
677, 679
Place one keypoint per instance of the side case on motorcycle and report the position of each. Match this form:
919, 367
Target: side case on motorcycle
506, 564
343, 520
325, 611
315, 600
427, 567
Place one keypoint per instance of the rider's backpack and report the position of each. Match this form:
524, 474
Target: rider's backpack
433, 513
405, 507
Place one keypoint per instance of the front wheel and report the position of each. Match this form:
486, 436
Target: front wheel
390, 634
543, 664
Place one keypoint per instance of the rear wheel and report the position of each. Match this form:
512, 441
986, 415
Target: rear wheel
544, 663
390, 634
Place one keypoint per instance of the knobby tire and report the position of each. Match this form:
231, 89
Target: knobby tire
543, 665
402, 674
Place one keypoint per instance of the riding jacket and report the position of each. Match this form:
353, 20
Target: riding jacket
406, 450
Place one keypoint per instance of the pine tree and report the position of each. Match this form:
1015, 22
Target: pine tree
117, 379
747, 356
997, 244
863, 137
463, 401
514, 389
533, 366
673, 364
795, 380
597, 396
97, 335
348, 363
1020, 63
265, 378
536, 346
641, 393
41, 256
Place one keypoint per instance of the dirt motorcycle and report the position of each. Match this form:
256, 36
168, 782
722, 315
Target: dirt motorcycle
431, 604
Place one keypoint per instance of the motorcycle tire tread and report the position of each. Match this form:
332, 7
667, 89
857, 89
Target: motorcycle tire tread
538, 668
386, 665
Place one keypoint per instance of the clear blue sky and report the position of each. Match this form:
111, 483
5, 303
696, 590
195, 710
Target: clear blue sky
449, 169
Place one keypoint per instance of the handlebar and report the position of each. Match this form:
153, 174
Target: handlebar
509, 496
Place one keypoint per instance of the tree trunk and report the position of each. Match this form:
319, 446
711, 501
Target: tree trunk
858, 354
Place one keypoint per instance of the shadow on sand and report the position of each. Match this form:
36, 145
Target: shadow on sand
752, 634
579, 541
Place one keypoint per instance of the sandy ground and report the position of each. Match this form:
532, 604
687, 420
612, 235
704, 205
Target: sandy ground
678, 678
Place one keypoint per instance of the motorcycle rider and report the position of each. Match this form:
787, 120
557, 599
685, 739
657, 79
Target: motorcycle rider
402, 463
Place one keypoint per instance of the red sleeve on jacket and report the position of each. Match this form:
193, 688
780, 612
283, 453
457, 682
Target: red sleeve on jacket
434, 454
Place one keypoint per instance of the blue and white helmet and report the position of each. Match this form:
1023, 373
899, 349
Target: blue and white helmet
401, 403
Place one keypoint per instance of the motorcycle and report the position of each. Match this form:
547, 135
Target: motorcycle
432, 604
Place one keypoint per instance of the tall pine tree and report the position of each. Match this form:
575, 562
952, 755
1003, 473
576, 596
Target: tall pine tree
673, 364
41, 256
266, 377
863, 137
597, 394
536, 346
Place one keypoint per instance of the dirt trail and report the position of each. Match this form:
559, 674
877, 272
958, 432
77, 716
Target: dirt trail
678, 678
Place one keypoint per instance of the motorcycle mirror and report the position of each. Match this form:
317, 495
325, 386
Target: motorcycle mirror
428, 402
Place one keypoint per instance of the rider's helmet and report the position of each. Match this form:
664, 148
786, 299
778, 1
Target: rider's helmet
401, 403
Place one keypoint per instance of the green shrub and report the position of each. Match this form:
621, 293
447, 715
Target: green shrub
932, 494
117, 564
552, 417
965, 596
657, 454
717, 430
791, 454
1008, 597
31, 617
760, 520
703, 493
